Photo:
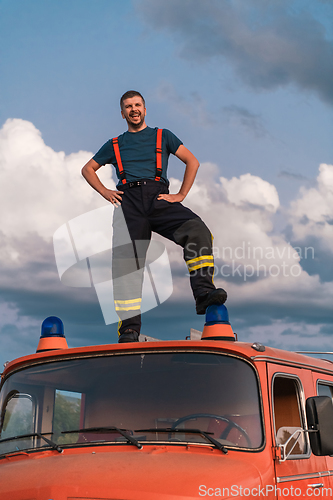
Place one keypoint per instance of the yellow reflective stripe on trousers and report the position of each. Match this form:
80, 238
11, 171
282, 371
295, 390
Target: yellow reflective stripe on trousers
197, 259
133, 308
199, 266
127, 305
199, 262
130, 301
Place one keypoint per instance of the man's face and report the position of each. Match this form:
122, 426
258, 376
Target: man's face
133, 111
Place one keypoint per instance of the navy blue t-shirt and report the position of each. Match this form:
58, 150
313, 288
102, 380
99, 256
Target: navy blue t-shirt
138, 153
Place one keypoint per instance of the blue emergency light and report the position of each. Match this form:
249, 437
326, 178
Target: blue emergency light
217, 314
52, 327
217, 326
52, 337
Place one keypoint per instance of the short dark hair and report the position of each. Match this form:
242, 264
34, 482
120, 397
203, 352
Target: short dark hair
129, 94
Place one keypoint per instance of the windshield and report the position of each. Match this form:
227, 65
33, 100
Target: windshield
153, 397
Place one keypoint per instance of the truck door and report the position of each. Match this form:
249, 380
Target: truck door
324, 387
298, 471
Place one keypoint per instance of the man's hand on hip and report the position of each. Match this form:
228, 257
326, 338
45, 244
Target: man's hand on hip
113, 196
171, 198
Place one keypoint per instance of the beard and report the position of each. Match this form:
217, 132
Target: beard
136, 124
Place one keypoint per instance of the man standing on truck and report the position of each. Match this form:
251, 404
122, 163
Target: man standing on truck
140, 157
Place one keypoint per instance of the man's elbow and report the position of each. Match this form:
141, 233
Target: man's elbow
90, 168
85, 169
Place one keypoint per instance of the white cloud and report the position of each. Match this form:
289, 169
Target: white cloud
289, 335
251, 190
240, 212
311, 214
41, 188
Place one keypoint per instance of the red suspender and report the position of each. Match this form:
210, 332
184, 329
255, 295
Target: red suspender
158, 157
158, 154
118, 158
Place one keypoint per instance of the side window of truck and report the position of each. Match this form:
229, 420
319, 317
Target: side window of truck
324, 389
289, 416
19, 416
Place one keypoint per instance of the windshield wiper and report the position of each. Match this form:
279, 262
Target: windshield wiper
128, 438
53, 445
188, 431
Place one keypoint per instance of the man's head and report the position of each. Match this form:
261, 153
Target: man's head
128, 95
133, 110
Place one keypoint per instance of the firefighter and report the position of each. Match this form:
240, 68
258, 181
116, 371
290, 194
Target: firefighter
140, 157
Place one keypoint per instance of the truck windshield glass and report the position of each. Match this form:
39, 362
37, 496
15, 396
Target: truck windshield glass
154, 397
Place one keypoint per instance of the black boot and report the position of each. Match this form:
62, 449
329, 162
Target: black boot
217, 296
128, 336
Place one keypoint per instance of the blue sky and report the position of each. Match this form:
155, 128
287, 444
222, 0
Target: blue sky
247, 86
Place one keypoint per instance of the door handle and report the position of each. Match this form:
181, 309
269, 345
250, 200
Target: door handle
316, 485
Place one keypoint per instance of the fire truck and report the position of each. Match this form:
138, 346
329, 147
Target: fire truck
208, 416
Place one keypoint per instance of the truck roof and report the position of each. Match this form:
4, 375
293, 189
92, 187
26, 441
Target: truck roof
244, 349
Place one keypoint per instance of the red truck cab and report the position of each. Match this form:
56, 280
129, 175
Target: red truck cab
165, 420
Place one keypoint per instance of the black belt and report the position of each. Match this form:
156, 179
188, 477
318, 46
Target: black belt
142, 182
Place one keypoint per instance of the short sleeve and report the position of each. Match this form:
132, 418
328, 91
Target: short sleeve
172, 142
105, 154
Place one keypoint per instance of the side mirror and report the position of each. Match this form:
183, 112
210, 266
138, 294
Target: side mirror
319, 413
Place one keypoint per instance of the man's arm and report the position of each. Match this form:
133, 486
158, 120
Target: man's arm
89, 173
192, 166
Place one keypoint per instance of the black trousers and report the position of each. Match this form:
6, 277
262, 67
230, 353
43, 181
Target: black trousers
141, 213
